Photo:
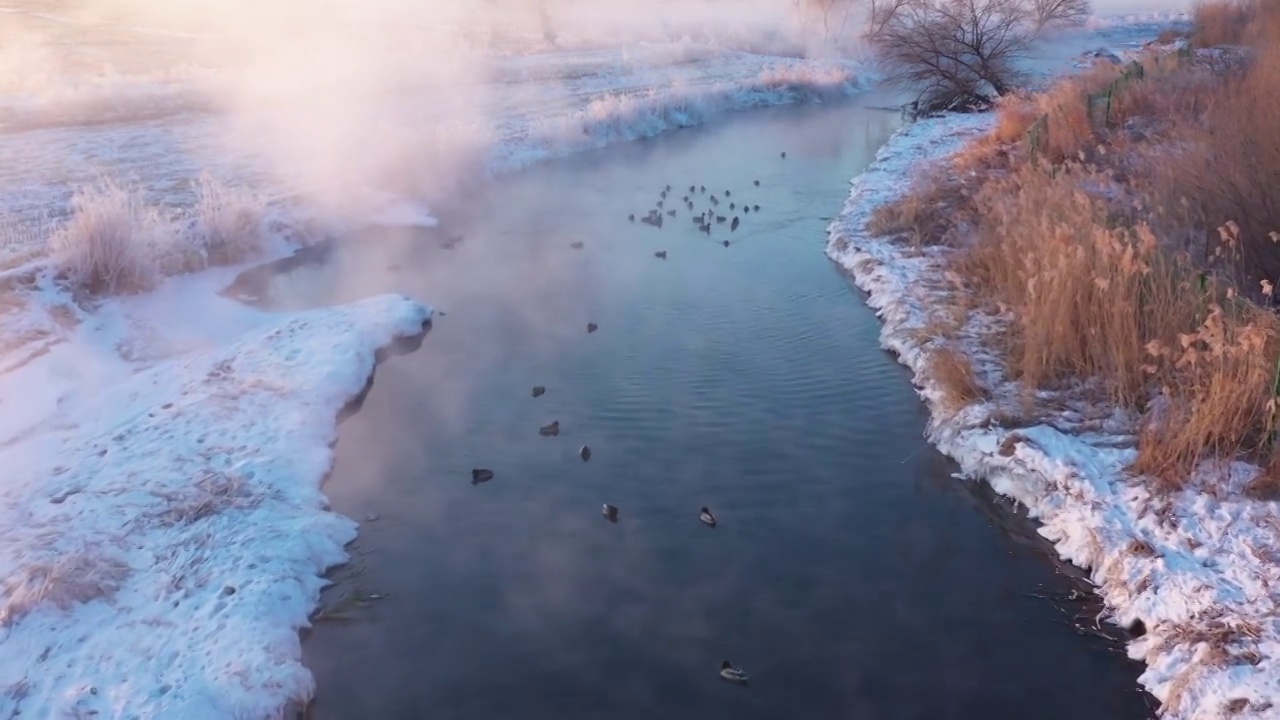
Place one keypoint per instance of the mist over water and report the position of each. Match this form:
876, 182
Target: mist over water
849, 575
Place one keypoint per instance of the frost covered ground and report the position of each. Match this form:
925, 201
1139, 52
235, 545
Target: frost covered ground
1198, 568
162, 527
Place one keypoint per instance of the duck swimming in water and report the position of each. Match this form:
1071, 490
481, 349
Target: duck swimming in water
731, 673
706, 516
610, 513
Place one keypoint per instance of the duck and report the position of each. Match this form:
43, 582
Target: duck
702, 188
610, 512
755, 208
692, 189
672, 213
551, 430
731, 673
661, 254
479, 475
746, 209
632, 217
757, 183
705, 516
592, 327
577, 245
726, 193
539, 390
733, 206
584, 452
725, 243
734, 225
715, 200
784, 154
720, 218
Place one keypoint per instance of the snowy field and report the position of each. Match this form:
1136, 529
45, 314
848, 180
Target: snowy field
139, 434
1198, 569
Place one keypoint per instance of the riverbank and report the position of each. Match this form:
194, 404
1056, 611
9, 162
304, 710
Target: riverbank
1187, 566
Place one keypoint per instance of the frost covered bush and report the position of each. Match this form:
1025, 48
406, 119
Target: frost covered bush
228, 226
110, 243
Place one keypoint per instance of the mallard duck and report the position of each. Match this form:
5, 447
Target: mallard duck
706, 516
539, 390
480, 475
610, 513
731, 673
584, 452
551, 430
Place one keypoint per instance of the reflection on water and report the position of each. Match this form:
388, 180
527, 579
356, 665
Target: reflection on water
850, 575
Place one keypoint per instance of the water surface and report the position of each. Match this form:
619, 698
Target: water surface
851, 575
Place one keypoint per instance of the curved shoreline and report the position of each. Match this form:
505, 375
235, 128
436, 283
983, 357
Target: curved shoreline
1185, 579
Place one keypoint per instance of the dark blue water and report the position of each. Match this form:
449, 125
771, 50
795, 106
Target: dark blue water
850, 574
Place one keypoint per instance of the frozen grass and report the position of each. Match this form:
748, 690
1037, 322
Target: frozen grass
110, 244
229, 222
114, 243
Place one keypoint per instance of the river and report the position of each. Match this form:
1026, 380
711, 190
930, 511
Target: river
850, 574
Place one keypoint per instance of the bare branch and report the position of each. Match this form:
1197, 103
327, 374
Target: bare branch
1060, 13
957, 53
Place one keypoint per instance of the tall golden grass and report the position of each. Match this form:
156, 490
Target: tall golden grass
1129, 238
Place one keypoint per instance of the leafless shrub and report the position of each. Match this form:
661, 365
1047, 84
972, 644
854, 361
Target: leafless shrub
959, 54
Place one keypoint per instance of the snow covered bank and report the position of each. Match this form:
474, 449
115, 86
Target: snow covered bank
161, 546
1199, 568
624, 117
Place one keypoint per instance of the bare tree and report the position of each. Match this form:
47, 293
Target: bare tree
959, 54
1059, 13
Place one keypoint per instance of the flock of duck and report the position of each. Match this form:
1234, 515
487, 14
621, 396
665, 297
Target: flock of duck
654, 217
704, 220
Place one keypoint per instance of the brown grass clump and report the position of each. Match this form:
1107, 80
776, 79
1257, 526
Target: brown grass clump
1148, 279
1222, 22
110, 243
926, 215
1224, 172
953, 371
